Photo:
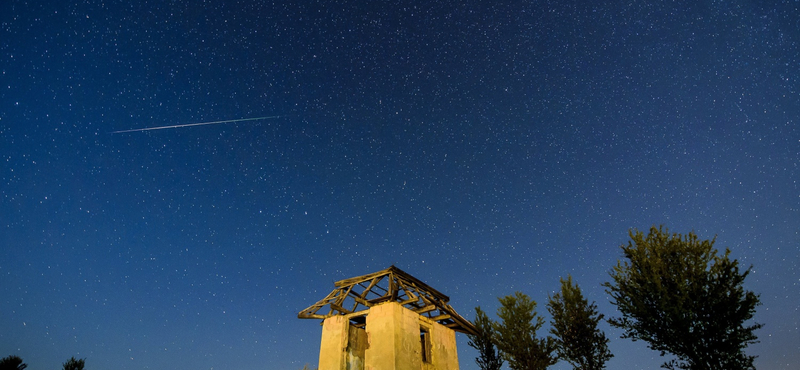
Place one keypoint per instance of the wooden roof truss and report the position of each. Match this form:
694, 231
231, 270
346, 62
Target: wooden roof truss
353, 297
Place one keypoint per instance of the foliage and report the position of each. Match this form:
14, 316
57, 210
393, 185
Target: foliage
12, 363
681, 297
574, 327
73, 364
515, 334
489, 358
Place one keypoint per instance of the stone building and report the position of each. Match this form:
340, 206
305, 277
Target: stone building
387, 320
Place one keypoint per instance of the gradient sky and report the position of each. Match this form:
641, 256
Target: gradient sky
483, 147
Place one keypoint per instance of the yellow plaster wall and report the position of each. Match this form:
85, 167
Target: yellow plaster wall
391, 341
342, 346
334, 336
383, 327
356, 347
444, 355
334, 331
393, 334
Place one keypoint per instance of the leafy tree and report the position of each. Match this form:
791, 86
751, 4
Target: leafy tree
574, 328
680, 296
73, 364
489, 358
12, 363
515, 334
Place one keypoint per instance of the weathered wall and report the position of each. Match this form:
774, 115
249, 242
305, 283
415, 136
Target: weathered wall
342, 346
334, 336
356, 347
393, 333
391, 341
444, 355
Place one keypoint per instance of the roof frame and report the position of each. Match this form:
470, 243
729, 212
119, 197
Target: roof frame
354, 296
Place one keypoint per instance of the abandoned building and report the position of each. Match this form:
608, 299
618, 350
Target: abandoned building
387, 320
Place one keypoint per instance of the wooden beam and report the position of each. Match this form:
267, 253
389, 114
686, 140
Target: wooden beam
363, 301
371, 284
420, 297
405, 276
375, 301
427, 308
408, 292
392, 288
310, 316
357, 279
340, 308
357, 313
407, 301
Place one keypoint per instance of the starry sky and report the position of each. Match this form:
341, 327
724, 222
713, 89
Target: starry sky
485, 147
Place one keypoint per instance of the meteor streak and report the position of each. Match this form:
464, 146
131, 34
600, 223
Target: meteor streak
194, 124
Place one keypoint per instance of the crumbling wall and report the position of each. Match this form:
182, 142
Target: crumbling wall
342, 346
390, 341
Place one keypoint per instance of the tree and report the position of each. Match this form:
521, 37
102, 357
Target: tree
574, 327
12, 363
489, 358
680, 296
73, 364
515, 334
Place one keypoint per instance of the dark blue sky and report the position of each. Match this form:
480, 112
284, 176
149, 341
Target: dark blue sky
483, 147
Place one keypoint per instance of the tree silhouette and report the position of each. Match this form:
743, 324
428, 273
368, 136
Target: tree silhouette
515, 334
489, 357
574, 327
73, 364
681, 297
12, 363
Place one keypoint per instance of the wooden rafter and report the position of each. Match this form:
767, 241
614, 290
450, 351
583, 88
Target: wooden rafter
391, 284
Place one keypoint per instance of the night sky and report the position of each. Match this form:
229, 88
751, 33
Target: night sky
483, 147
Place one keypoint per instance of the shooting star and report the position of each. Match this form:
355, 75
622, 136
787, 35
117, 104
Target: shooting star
194, 124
